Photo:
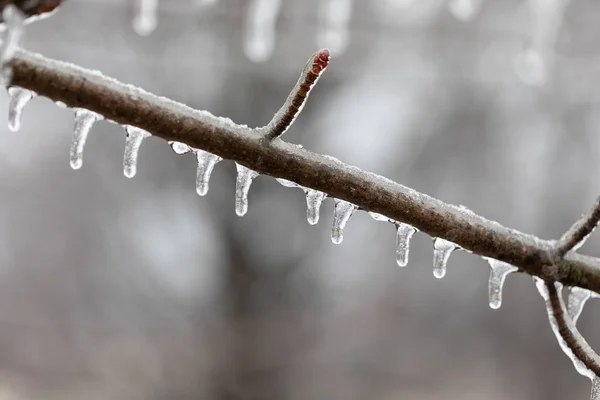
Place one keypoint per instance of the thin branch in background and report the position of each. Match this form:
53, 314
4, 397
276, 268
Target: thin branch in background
296, 100
584, 359
576, 236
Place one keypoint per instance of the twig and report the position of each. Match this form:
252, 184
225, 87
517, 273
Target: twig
172, 121
576, 236
286, 115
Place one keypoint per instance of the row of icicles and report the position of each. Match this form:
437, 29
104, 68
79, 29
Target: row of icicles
532, 64
343, 210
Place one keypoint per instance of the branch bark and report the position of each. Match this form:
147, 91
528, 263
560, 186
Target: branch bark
172, 121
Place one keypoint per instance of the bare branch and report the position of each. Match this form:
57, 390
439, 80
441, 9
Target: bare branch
576, 236
286, 115
569, 333
172, 121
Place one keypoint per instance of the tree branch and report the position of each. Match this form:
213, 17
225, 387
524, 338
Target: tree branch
576, 236
172, 121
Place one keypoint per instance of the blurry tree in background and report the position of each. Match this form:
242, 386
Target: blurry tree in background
140, 289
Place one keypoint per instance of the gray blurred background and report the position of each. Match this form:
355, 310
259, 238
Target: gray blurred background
140, 289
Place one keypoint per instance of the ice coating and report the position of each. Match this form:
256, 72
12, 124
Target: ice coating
245, 176
404, 233
314, 199
379, 217
260, 29
334, 32
341, 214
146, 20
14, 21
595, 395
19, 98
578, 364
84, 120
133, 141
287, 183
442, 249
576, 299
206, 163
180, 148
498, 272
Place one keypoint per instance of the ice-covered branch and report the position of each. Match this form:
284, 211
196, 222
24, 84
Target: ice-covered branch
295, 102
576, 236
172, 121
584, 359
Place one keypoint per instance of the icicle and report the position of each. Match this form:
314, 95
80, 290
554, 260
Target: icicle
498, 273
179, 148
84, 119
595, 395
14, 21
464, 10
341, 214
441, 252
576, 299
334, 33
403, 235
133, 141
19, 98
579, 366
245, 176
206, 163
147, 18
260, 30
314, 199
534, 63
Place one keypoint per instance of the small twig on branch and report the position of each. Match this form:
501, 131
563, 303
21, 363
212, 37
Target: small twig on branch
569, 333
172, 121
294, 104
576, 236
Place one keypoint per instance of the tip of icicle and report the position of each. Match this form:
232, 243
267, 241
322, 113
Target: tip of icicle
76, 164
129, 172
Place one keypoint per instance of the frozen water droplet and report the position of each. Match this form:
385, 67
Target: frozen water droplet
133, 141
84, 119
206, 163
260, 30
245, 176
180, 148
19, 98
577, 363
314, 199
379, 217
14, 21
576, 299
403, 235
341, 214
147, 18
498, 273
441, 252
287, 183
